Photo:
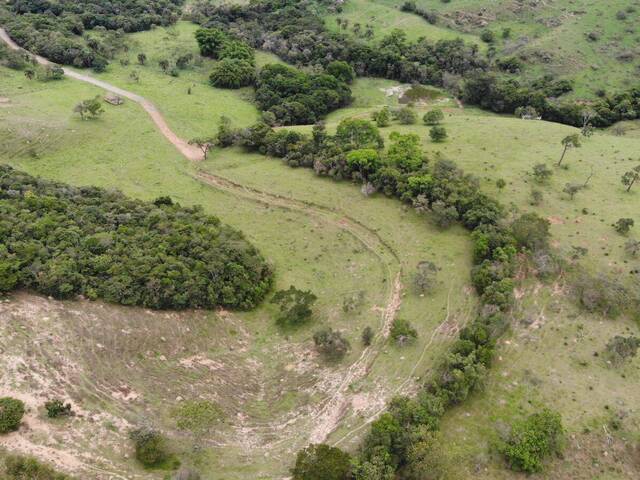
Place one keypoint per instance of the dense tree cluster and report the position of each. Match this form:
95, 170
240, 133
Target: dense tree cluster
63, 241
58, 29
295, 97
508, 95
295, 31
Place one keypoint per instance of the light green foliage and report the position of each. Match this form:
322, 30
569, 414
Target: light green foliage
405, 151
533, 440
17, 467
197, 415
91, 108
433, 117
358, 134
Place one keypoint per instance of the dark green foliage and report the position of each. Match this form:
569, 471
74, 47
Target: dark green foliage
623, 225
342, 71
404, 172
331, 343
295, 97
58, 30
63, 241
295, 306
150, 447
57, 408
531, 231
322, 462
438, 133
210, 41
532, 440
11, 412
232, 73
402, 331
17, 467
367, 336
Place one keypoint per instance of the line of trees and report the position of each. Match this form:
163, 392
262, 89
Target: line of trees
401, 439
65, 241
295, 31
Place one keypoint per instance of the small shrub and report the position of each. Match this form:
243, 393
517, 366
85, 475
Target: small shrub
620, 349
402, 332
331, 343
623, 225
500, 183
367, 336
150, 447
433, 117
295, 306
11, 413
438, 134
57, 408
197, 415
425, 277
406, 116
18, 467
533, 439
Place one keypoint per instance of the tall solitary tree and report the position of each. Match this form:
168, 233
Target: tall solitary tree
203, 143
631, 177
570, 141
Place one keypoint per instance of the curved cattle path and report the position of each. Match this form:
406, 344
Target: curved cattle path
330, 411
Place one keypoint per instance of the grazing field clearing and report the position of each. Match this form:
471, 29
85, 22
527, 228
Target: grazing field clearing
592, 43
385, 17
272, 381
192, 107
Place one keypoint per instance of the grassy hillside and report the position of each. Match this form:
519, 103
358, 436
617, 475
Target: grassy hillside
269, 380
592, 43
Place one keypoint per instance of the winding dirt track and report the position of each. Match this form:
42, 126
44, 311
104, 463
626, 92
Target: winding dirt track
328, 414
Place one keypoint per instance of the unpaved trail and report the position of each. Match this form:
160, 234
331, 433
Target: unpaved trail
189, 151
331, 411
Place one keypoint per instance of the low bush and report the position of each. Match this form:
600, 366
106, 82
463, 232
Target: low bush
150, 447
57, 408
17, 467
331, 343
11, 413
532, 440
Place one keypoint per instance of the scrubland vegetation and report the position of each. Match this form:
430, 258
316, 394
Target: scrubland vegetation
421, 289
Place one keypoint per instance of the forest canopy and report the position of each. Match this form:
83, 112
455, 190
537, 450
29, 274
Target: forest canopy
64, 241
56, 29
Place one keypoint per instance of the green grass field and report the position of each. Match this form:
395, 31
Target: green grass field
268, 388
552, 37
40, 134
